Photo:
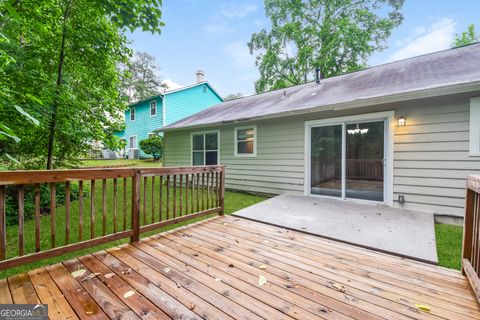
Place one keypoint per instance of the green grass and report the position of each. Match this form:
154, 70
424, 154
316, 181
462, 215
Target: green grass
95, 163
449, 245
233, 201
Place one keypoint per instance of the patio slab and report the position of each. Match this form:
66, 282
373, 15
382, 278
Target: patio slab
402, 232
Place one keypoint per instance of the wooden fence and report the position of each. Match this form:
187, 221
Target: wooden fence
128, 201
471, 235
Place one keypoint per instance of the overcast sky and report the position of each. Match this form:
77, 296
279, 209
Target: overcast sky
212, 35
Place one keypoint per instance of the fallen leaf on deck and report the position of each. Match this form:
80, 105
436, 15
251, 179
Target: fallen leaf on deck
127, 271
338, 287
231, 265
109, 275
128, 294
218, 280
191, 306
422, 307
78, 273
263, 267
167, 269
262, 280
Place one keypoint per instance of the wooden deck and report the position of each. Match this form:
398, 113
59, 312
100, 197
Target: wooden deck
213, 270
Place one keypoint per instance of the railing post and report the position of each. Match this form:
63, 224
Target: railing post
3, 228
468, 225
222, 191
135, 206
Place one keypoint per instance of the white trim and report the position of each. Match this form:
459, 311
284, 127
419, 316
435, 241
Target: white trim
474, 150
204, 145
388, 117
136, 142
245, 155
134, 114
156, 106
164, 111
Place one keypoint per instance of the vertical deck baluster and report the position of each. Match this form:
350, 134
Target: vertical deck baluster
180, 200
3, 227
212, 203
37, 217
174, 196
21, 216
80, 210
92, 209
186, 193
115, 205
207, 191
104, 207
160, 187
216, 190
53, 193
144, 200
67, 212
153, 199
203, 191
192, 197
124, 204
197, 178
168, 198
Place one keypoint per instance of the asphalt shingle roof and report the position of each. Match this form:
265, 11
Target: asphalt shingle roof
435, 70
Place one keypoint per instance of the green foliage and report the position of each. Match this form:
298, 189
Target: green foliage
449, 245
336, 36
233, 96
153, 146
11, 201
62, 69
466, 37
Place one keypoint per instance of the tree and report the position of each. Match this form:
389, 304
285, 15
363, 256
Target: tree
141, 78
153, 146
66, 54
233, 96
466, 37
336, 36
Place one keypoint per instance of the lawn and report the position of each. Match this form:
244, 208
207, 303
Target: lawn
103, 163
233, 201
449, 245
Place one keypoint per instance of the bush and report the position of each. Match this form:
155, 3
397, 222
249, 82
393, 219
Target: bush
153, 146
11, 200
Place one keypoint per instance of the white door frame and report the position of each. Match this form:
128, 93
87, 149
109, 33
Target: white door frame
388, 117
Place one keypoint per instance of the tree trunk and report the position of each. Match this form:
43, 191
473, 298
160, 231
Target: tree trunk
56, 102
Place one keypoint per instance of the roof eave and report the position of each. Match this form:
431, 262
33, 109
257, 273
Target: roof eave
411, 95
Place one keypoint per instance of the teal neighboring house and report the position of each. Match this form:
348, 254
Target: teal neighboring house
143, 118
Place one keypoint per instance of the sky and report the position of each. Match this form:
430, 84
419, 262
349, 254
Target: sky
212, 35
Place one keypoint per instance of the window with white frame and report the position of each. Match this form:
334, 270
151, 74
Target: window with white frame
246, 141
132, 114
205, 148
132, 142
153, 108
475, 126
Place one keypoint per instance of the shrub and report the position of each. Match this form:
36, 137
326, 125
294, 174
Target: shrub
153, 146
11, 200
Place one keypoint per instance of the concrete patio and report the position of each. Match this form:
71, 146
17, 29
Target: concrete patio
402, 232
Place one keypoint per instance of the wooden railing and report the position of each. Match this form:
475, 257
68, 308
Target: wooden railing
96, 206
471, 235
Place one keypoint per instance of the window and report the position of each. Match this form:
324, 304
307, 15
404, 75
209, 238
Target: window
132, 142
205, 148
246, 141
153, 108
475, 126
132, 114
204, 89
151, 135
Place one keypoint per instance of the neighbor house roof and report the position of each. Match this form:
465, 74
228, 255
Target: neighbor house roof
161, 94
444, 72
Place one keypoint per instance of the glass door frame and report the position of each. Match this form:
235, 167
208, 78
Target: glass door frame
388, 117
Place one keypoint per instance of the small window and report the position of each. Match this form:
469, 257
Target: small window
245, 141
475, 126
133, 142
132, 114
204, 89
151, 135
153, 108
205, 148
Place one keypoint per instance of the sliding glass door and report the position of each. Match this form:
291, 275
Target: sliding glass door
347, 160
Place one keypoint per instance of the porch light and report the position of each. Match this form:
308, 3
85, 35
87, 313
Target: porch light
357, 130
402, 121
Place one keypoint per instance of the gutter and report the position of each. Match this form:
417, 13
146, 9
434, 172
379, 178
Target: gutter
398, 97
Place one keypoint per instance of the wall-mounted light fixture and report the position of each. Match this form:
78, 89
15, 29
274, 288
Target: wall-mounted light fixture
402, 121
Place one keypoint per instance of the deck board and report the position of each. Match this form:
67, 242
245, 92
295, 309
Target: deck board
211, 270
